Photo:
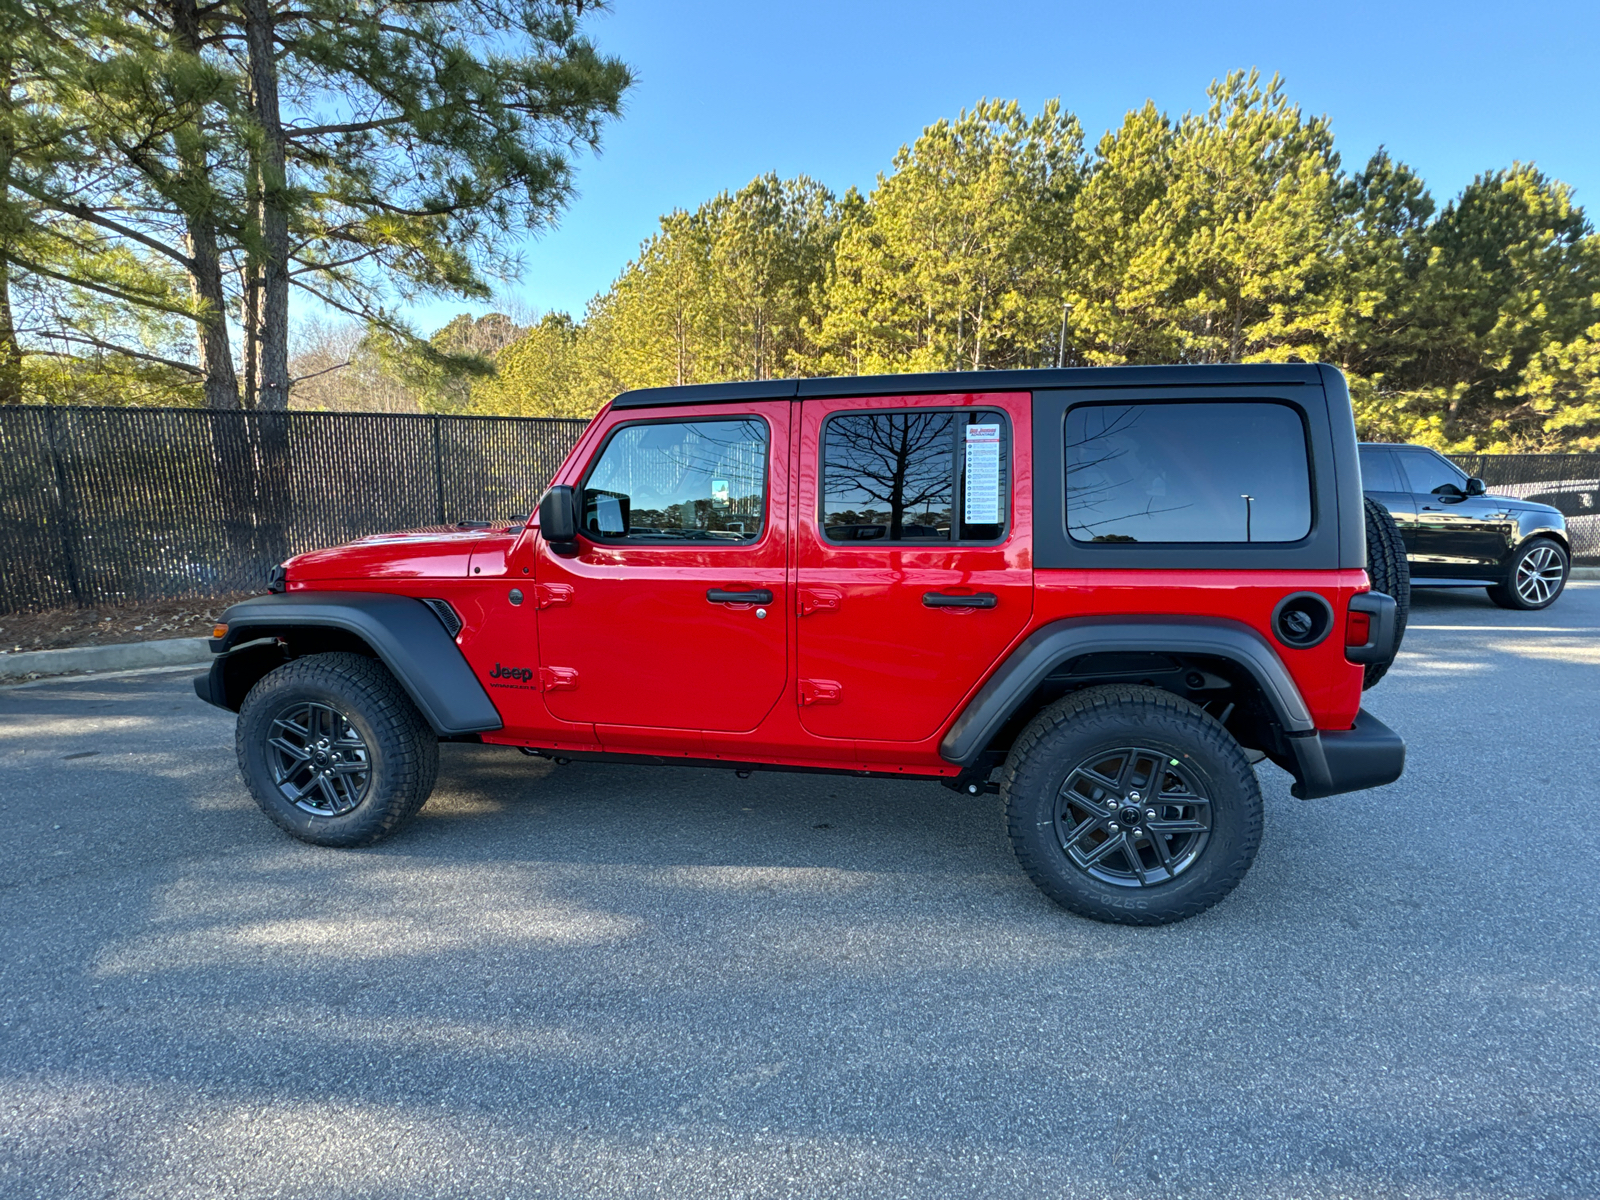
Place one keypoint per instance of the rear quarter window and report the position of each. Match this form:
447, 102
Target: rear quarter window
1204, 471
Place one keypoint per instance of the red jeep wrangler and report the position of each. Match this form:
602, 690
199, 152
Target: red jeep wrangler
1101, 593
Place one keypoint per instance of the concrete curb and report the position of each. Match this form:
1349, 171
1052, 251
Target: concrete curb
1584, 574
167, 652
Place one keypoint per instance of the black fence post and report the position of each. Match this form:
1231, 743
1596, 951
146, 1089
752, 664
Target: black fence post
438, 468
69, 535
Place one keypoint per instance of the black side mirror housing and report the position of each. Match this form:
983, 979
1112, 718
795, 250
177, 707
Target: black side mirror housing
1476, 486
558, 519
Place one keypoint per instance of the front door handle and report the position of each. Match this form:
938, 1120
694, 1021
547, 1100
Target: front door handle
753, 596
977, 600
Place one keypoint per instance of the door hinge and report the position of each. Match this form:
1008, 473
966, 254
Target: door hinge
549, 594
816, 599
558, 679
819, 691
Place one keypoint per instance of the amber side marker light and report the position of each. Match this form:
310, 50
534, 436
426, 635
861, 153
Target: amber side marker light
219, 631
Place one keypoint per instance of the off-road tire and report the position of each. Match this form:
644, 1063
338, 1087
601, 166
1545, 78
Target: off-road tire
401, 751
1508, 595
1390, 574
1100, 720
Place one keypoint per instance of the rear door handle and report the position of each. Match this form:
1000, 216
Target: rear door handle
753, 596
941, 600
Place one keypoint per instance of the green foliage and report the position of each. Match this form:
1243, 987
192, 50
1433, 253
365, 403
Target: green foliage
198, 161
111, 379
538, 375
1212, 240
415, 140
1562, 385
957, 259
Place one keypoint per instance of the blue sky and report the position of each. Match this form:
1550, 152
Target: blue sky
727, 91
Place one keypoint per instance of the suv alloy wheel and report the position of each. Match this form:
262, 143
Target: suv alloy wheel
334, 751
1535, 576
1131, 805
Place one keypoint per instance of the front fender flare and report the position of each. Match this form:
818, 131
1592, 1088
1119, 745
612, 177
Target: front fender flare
1062, 641
403, 633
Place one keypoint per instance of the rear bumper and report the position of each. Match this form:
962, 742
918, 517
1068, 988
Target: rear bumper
1366, 756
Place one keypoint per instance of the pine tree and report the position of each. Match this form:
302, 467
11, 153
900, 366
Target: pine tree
958, 258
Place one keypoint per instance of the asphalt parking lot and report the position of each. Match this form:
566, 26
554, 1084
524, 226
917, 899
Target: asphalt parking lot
620, 982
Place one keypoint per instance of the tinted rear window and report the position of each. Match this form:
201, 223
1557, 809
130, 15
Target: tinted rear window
1377, 471
1220, 471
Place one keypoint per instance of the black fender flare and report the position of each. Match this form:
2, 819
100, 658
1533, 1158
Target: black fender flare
404, 633
1062, 641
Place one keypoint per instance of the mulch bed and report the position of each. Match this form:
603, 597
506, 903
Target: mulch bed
58, 628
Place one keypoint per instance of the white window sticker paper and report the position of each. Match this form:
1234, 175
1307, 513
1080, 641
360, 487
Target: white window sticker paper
983, 475
719, 492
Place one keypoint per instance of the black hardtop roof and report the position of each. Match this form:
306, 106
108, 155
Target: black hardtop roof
1256, 374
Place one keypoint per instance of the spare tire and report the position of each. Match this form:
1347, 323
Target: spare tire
1390, 573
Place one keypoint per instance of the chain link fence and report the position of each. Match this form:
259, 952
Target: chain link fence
105, 505
1569, 482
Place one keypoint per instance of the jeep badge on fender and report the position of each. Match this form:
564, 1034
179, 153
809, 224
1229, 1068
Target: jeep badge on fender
1100, 593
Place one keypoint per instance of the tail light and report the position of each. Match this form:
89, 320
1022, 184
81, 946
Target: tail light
1369, 628
1357, 628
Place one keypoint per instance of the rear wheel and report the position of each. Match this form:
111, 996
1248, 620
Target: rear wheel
1390, 574
1131, 805
334, 751
1535, 576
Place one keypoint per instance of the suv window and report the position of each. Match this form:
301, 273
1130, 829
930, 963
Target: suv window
702, 481
896, 476
1378, 473
1428, 472
1189, 472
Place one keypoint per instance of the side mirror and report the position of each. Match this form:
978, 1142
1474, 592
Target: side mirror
1476, 486
558, 518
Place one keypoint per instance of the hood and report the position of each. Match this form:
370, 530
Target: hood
430, 552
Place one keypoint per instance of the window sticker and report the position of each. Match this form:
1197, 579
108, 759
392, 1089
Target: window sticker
983, 475
719, 492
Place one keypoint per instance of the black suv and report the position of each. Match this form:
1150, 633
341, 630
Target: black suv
1458, 535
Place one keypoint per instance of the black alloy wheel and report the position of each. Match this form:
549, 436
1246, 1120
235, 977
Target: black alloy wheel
1133, 817
1131, 805
319, 761
334, 751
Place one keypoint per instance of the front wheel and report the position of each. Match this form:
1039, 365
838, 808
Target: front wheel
334, 751
1131, 805
1535, 576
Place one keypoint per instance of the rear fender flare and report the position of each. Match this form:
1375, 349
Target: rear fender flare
1062, 641
404, 634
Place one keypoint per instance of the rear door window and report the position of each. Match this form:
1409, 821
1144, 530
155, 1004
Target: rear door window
930, 475
680, 481
1204, 471
1378, 473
